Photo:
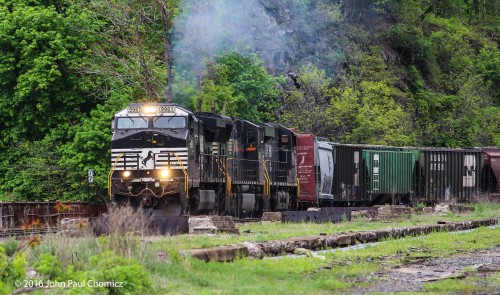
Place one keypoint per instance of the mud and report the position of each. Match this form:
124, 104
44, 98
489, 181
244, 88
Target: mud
413, 275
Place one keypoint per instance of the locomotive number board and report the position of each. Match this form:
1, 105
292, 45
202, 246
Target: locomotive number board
167, 109
134, 109
162, 109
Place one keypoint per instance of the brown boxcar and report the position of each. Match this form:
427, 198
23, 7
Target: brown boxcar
490, 176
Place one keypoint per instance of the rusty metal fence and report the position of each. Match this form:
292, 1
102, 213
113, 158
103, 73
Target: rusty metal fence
44, 214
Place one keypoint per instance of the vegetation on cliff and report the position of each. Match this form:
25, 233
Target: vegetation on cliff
423, 73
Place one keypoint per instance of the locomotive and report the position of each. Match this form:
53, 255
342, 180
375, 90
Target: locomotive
174, 161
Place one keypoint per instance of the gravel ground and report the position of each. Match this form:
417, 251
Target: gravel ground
413, 275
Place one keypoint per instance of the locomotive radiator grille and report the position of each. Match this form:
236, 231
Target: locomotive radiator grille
148, 159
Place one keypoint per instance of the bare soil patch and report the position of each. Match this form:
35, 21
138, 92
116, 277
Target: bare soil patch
412, 275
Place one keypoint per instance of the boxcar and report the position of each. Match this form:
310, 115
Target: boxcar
369, 175
446, 175
490, 176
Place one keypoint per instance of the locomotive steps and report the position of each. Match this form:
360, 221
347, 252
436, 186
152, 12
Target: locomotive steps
317, 242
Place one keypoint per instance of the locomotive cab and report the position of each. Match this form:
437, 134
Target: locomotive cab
149, 154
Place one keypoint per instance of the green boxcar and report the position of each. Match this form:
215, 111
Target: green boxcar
390, 172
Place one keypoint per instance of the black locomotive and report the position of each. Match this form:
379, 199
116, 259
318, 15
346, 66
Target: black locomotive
167, 158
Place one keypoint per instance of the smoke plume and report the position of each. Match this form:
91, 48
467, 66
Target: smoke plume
276, 30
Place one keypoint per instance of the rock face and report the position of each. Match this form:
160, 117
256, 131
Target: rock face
285, 34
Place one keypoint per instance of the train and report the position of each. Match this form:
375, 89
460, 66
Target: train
177, 162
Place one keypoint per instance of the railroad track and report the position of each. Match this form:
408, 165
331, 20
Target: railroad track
246, 220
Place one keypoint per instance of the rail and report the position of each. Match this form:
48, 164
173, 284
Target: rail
280, 172
214, 167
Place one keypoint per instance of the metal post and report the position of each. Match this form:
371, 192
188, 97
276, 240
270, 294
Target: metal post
90, 179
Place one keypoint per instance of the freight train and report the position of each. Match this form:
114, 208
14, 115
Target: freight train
167, 158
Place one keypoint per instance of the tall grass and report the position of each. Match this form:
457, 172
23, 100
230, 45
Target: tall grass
338, 274
126, 229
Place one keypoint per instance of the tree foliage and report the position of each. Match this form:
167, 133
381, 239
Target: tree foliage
423, 73
239, 86
39, 83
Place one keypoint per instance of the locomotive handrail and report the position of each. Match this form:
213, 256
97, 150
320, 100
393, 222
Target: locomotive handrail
298, 187
228, 179
267, 181
186, 176
221, 167
111, 173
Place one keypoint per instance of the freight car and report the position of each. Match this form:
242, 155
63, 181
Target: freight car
176, 162
444, 174
367, 174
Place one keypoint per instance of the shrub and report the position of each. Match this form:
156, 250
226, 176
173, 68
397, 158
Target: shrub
11, 269
49, 265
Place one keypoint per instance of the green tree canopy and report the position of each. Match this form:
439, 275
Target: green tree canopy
239, 86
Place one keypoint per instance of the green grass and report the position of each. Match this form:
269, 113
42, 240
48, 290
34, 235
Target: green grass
340, 271
274, 231
463, 286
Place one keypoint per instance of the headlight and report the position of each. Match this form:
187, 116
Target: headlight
126, 173
164, 173
150, 110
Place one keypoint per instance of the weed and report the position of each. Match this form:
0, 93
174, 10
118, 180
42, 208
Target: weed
124, 226
11, 246
463, 286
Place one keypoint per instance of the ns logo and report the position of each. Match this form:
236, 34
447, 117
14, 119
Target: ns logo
469, 175
145, 160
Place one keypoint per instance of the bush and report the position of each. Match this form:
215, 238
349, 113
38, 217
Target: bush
49, 265
122, 276
15, 269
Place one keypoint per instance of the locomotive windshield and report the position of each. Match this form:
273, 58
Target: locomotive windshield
169, 122
132, 123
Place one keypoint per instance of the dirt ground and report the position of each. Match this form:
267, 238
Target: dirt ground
412, 275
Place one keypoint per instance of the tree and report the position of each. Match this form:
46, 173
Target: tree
90, 147
305, 106
380, 119
239, 86
40, 87
31, 172
133, 47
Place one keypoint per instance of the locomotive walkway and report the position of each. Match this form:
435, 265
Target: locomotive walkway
288, 246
